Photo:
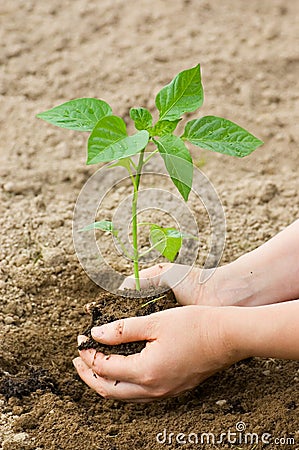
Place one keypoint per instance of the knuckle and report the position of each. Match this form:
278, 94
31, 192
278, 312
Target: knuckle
91, 354
149, 377
98, 366
152, 324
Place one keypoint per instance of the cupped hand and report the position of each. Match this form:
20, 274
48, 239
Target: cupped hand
190, 285
184, 347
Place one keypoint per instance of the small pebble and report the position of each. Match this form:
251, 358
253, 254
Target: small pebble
20, 437
9, 187
268, 192
9, 320
221, 402
55, 222
53, 256
21, 260
17, 410
21, 187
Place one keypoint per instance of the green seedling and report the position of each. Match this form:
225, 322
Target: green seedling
109, 142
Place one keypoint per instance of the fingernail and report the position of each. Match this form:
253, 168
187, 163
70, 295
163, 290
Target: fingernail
98, 332
81, 338
75, 362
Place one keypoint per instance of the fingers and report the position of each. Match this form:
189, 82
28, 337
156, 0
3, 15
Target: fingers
148, 277
110, 388
171, 276
114, 367
125, 330
128, 283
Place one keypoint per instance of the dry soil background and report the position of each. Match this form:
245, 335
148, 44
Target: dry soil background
124, 51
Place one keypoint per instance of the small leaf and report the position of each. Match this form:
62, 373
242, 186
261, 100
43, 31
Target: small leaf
109, 141
81, 114
163, 127
168, 241
103, 225
220, 135
183, 94
142, 118
124, 162
178, 162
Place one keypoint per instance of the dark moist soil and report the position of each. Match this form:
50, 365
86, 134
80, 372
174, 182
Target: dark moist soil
61, 413
110, 307
23, 384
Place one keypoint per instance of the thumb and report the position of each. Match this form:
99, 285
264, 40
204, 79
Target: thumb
124, 330
148, 277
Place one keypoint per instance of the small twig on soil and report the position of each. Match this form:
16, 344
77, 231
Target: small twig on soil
153, 301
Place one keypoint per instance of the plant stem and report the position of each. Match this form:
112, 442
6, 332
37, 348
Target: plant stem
152, 248
150, 156
132, 176
134, 219
133, 164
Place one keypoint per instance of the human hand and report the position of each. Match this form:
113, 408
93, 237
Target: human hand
268, 274
190, 285
184, 347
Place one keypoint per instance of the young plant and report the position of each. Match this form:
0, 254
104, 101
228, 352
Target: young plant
110, 142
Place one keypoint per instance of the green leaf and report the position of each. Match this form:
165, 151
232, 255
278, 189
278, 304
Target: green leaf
163, 127
103, 225
178, 162
183, 94
124, 162
142, 118
168, 241
81, 114
109, 141
221, 135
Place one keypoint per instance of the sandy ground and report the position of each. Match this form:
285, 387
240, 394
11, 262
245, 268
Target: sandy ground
124, 52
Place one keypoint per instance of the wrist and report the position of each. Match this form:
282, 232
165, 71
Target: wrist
269, 331
245, 282
269, 274
238, 326
233, 285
